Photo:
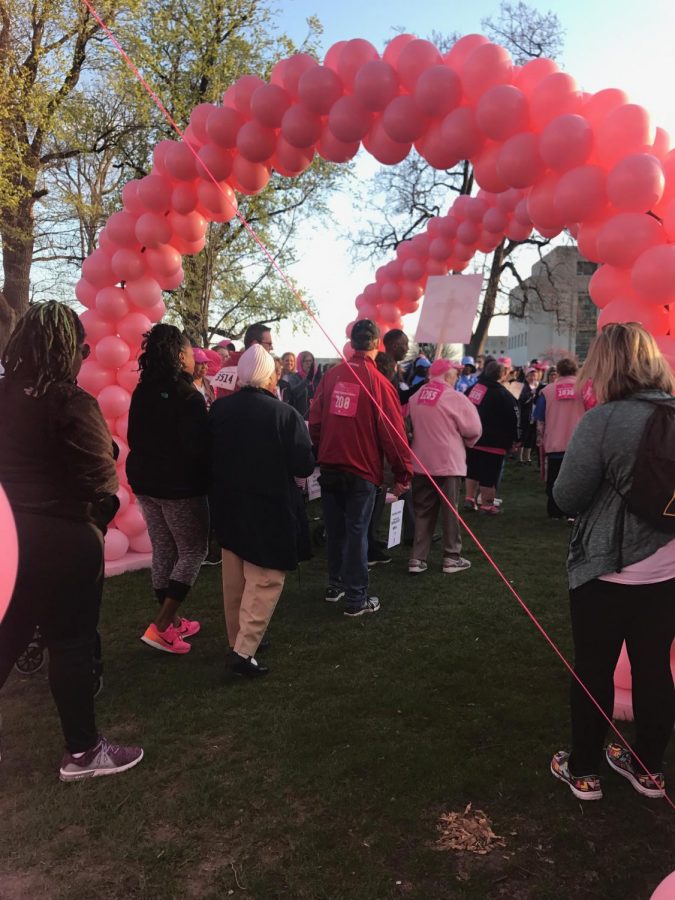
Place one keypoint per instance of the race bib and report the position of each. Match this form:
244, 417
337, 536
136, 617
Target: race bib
476, 394
564, 392
429, 394
225, 379
345, 399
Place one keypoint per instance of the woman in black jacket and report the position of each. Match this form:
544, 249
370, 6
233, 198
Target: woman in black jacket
168, 468
259, 447
498, 411
57, 469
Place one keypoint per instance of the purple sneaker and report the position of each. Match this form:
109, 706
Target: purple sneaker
103, 759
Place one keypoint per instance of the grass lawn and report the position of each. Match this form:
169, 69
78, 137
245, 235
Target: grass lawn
326, 780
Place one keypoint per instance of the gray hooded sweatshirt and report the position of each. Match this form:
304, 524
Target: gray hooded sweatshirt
597, 469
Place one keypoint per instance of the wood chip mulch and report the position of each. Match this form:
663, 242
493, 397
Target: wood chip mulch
470, 831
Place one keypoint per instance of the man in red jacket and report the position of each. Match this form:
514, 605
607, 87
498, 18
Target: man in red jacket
351, 433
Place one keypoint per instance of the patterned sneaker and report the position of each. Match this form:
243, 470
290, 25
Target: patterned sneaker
450, 566
470, 504
489, 509
187, 628
621, 760
103, 759
369, 605
584, 787
169, 641
416, 566
333, 595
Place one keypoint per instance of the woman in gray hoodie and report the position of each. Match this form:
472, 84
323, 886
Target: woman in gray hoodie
621, 568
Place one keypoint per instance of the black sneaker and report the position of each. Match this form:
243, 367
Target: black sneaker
245, 667
378, 557
213, 559
334, 594
369, 605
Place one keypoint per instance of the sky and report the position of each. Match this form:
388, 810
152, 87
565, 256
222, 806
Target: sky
607, 44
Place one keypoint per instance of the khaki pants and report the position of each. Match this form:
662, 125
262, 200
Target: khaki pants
427, 504
250, 594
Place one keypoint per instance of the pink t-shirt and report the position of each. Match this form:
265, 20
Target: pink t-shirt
444, 424
660, 566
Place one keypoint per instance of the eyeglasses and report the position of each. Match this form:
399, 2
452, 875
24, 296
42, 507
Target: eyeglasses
85, 350
267, 344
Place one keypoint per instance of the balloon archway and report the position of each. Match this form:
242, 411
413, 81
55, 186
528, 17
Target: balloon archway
546, 156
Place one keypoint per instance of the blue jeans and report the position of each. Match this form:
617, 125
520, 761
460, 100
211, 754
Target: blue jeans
346, 515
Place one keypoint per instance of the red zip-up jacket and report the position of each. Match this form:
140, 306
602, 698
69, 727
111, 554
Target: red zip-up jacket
348, 429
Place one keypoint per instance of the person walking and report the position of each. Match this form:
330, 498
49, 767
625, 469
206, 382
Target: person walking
621, 567
57, 469
351, 434
444, 424
260, 445
528, 427
168, 468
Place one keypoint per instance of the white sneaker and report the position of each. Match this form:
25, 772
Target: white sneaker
450, 566
416, 566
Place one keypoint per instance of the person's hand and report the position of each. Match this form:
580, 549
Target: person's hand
399, 488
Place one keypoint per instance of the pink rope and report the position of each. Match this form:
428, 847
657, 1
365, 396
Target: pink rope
528, 612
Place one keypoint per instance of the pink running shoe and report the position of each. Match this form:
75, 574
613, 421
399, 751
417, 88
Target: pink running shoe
169, 640
188, 628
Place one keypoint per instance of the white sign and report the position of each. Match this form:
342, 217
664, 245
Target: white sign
449, 309
225, 379
395, 523
313, 486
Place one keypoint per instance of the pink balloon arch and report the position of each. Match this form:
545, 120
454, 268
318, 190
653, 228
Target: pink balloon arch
546, 156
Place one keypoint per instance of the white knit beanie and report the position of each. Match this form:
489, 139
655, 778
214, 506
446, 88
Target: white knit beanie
256, 366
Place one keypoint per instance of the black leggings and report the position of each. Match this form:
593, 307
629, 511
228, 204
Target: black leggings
604, 615
58, 587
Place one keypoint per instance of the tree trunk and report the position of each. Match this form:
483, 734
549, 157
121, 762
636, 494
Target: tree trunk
18, 239
7, 322
478, 338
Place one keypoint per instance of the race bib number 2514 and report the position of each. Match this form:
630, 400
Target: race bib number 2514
225, 379
345, 399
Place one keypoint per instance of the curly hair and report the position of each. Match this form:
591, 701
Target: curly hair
42, 348
160, 356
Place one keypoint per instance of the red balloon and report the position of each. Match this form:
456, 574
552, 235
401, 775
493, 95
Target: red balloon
566, 142
127, 264
528, 76
112, 352
495, 221
93, 377
248, 177
462, 252
154, 192
438, 91
214, 162
291, 161
376, 83
502, 112
349, 121
462, 136
440, 248
587, 239
268, 105
354, 54
153, 230
626, 129
180, 163
462, 49
244, 88
390, 292
411, 291
380, 145
519, 163
448, 226
468, 233
433, 148
597, 106
485, 67
541, 206
223, 125
437, 267
319, 88
416, 57
508, 201
95, 326
190, 227
333, 54
184, 196
255, 142
669, 221
330, 148
111, 304
609, 282
556, 95
218, 201
159, 157
661, 145
172, 281
293, 70
130, 198
132, 328
626, 236
403, 121
517, 232
413, 269
131, 521
155, 313
389, 312
485, 169
653, 274
636, 183
521, 213
301, 127
581, 193
393, 49
653, 318
199, 118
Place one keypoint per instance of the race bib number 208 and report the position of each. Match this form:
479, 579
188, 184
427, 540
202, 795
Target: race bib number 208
345, 399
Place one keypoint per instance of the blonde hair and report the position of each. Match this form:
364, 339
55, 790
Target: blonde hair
623, 359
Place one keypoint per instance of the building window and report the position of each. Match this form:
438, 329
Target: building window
584, 267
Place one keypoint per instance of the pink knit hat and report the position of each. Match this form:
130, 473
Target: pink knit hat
200, 356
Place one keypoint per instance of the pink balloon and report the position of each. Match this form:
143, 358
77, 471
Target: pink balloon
190, 227
375, 85
665, 890
485, 67
380, 145
495, 221
440, 248
391, 292
154, 192
223, 125
653, 318
268, 105
199, 118
319, 88
184, 196
214, 162
244, 88
153, 230
668, 164
140, 543
127, 375
248, 178
116, 545
122, 446
131, 521
350, 121
566, 142
608, 283
413, 269
519, 163
121, 425
95, 327
159, 157
515, 231
581, 193
587, 239
461, 252
132, 328
171, 282
127, 264
521, 213
144, 292
626, 129
255, 142
653, 275
461, 133
111, 304
532, 73
411, 291
467, 233
448, 226
86, 293
393, 49
597, 106
438, 91
291, 161
389, 312
403, 121
218, 201
97, 269
636, 183
112, 352
330, 148
626, 236
508, 201
301, 127
541, 206
114, 401
669, 221
502, 112
433, 148
415, 58
485, 169
661, 145
355, 54
130, 199
180, 162
162, 261
93, 377
293, 70
120, 228
556, 95
155, 313
124, 497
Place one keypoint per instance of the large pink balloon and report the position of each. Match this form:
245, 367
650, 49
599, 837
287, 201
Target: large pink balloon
380, 145
93, 377
95, 327
350, 121
375, 85
140, 543
581, 193
555, 95
461, 133
608, 283
485, 67
566, 142
162, 261
131, 521
111, 304
116, 545
128, 264
9, 558
626, 129
127, 376
132, 328
502, 111
319, 88
120, 226
626, 236
301, 127
666, 889
214, 162
636, 183
414, 59
112, 352
654, 273
154, 192
355, 54
438, 91
653, 318
268, 105
97, 269
114, 401
222, 126
144, 292
519, 163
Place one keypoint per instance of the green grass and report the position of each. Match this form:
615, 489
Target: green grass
325, 780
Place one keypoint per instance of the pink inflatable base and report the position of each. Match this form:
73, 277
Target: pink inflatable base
623, 704
130, 562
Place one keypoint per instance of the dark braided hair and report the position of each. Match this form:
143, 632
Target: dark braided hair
42, 348
160, 357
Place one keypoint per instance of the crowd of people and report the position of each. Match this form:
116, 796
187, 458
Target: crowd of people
220, 443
